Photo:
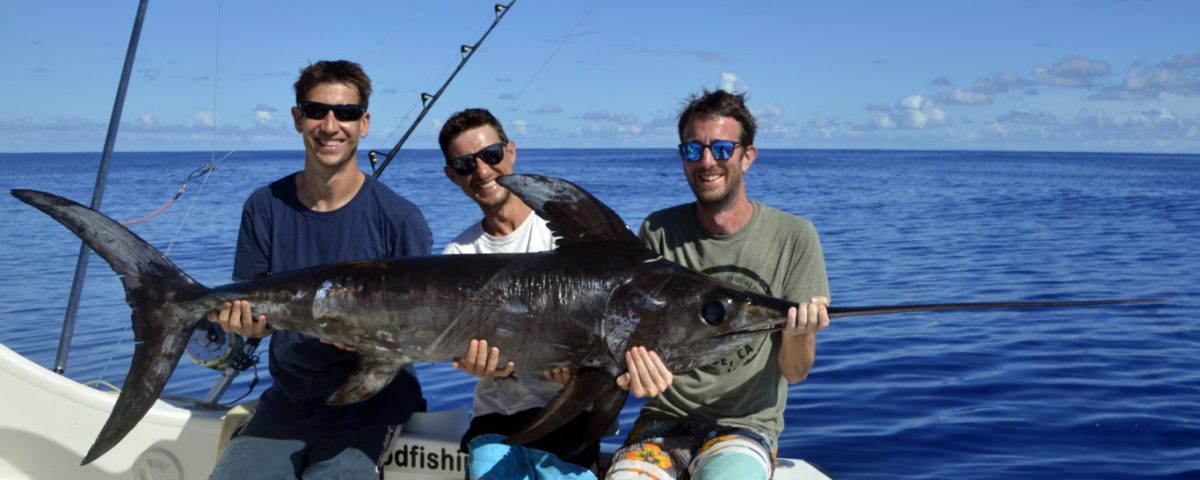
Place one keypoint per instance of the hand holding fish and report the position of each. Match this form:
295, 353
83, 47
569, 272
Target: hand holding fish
348, 348
482, 361
560, 375
235, 317
646, 375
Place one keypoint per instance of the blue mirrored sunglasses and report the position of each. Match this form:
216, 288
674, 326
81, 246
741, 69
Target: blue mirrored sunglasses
491, 155
721, 150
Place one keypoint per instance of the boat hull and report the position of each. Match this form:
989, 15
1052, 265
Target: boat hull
46, 421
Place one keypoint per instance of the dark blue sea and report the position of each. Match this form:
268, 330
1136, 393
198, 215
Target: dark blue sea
1096, 393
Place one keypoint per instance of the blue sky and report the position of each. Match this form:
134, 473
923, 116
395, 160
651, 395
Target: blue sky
1070, 75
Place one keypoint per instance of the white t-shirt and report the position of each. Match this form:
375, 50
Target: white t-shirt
521, 391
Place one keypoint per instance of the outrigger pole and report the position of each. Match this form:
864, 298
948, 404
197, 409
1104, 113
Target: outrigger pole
68, 330
428, 100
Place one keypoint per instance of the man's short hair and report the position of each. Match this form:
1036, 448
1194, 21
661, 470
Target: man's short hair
334, 71
466, 120
719, 104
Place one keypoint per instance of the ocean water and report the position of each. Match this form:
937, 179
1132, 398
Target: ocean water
1110, 392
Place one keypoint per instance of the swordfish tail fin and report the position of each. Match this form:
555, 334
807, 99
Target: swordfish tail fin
153, 287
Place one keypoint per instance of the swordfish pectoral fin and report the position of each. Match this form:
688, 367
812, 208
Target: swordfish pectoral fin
588, 386
604, 412
374, 372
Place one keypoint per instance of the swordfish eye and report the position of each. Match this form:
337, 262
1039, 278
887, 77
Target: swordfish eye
714, 312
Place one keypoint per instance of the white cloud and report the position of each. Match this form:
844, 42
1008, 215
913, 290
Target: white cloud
548, 108
771, 111
770, 119
709, 56
964, 97
884, 122
879, 107
1176, 76
1028, 117
919, 112
999, 83
147, 120
206, 119
263, 116
1160, 120
519, 126
730, 83
1071, 71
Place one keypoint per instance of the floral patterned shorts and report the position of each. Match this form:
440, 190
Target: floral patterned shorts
662, 450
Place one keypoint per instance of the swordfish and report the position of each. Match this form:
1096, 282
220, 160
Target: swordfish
580, 306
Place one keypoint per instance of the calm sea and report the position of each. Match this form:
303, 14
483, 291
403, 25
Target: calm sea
1065, 393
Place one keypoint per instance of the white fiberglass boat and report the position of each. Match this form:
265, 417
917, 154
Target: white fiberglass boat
48, 422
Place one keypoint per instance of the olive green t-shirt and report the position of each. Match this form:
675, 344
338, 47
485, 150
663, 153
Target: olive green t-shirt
777, 254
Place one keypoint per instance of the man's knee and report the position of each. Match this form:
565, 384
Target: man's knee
642, 460
732, 458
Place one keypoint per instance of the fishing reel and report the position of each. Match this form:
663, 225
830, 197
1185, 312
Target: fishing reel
209, 346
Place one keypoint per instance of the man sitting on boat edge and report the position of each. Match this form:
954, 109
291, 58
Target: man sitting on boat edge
477, 152
303, 220
723, 420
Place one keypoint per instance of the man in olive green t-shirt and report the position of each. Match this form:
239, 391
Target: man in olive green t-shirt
724, 419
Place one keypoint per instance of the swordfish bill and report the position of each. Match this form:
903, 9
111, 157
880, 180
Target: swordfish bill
580, 306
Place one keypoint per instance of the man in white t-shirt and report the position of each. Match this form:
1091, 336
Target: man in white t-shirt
478, 152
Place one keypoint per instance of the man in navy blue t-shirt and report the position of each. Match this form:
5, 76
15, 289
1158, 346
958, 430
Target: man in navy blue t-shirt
329, 212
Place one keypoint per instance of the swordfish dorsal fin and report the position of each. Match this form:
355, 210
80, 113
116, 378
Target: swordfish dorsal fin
572, 213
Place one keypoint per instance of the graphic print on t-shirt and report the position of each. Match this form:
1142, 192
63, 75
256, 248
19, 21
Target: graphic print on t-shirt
744, 279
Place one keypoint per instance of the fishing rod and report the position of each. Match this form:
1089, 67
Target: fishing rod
428, 100
81, 265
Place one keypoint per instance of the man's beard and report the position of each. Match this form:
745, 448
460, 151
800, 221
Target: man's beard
496, 203
721, 202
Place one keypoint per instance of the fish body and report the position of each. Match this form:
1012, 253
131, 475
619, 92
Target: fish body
581, 306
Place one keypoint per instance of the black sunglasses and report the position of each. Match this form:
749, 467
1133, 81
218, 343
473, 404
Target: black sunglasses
491, 155
721, 150
344, 113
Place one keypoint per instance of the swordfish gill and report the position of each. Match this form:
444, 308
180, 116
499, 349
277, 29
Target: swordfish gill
580, 306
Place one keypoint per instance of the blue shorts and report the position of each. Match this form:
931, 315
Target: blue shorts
490, 458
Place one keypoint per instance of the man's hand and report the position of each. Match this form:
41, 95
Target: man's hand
646, 375
235, 317
481, 362
807, 318
348, 348
560, 375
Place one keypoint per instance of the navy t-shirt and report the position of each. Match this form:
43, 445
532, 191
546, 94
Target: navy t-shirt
279, 233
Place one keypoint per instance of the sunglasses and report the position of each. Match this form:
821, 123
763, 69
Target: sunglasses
344, 113
721, 150
491, 155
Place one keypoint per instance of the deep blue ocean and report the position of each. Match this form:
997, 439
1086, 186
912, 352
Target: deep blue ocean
1095, 393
